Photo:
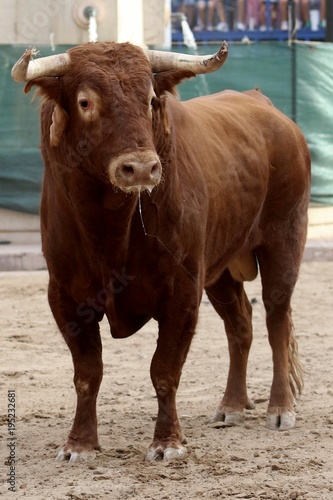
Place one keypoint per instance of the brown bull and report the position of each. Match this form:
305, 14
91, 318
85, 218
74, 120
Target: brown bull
146, 202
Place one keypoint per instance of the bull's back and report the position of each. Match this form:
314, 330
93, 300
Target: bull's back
243, 133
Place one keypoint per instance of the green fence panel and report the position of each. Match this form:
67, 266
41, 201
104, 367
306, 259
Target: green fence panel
315, 113
21, 166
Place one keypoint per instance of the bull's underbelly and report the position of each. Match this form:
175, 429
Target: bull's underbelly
129, 310
121, 328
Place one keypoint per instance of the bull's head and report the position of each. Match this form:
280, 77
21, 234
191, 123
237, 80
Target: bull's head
102, 98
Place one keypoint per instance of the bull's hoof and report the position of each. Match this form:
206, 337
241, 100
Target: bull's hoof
229, 419
280, 421
156, 453
74, 454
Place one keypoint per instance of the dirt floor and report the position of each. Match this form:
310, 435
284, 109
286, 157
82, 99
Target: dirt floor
244, 462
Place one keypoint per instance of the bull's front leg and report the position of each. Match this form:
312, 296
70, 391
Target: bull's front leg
82, 440
175, 335
84, 342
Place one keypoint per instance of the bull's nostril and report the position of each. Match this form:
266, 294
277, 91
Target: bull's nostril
128, 170
155, 170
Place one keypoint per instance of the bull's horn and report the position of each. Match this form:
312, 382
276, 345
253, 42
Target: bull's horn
27, 68
162, 61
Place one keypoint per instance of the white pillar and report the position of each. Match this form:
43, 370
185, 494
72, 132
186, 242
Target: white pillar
167, 30
130, 21
154, 22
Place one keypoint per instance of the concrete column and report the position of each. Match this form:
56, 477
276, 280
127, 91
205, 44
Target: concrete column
154, 22
130, 21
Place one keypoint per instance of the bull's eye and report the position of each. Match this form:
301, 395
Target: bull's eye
88, 104
84, 103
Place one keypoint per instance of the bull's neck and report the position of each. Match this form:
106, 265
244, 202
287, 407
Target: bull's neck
105, 224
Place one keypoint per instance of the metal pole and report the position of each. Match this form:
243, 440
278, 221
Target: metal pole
329, 21
292, 24
268, 15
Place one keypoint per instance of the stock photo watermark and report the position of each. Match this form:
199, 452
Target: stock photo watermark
30, 26
11, 440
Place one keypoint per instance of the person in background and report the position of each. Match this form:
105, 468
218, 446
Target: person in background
220, 9
206, 15
302, 13
236, 13
317, 13
206, 11
241, 15
187, 7
273, 8
252, 13
322, 23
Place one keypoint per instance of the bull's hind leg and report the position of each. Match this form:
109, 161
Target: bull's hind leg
84, 342
231, 303
279, 264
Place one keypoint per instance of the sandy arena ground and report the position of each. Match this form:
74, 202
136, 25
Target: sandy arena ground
245, 462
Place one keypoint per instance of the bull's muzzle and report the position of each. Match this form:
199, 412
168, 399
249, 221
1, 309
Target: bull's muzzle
137, 171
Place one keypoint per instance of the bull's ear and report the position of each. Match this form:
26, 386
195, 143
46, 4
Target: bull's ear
166, 81
58, 125
164, 115
49, 89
